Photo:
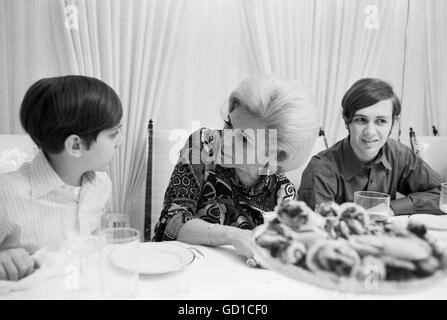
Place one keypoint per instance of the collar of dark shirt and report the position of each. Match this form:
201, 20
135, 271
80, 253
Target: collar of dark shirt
351, 164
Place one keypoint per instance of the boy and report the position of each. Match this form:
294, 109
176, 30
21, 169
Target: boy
369, 160
75, 121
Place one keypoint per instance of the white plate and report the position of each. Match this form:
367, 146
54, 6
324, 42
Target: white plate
400, 221
155, 258
431, 221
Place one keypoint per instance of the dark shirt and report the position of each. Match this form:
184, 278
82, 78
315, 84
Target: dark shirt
336, 173
208, 191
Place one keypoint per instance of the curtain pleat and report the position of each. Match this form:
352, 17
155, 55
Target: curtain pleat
128, 45
325, 45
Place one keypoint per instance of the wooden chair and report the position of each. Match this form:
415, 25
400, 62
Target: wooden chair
163, 152
432, 149
148, 197
435, 153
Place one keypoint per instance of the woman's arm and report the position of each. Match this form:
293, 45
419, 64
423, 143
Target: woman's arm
198, 231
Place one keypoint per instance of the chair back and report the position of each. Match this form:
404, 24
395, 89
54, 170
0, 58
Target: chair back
163, 153
435, 153
15, 149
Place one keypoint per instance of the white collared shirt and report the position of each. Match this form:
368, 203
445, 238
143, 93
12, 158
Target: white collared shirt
38, 209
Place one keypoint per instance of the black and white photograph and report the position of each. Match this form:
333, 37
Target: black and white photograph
238, 152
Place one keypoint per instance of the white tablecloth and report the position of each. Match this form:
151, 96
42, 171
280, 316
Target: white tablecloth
222, 275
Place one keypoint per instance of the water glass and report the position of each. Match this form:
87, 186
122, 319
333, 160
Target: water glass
443, 197
377, 204
82, 267
120, 262
116, 220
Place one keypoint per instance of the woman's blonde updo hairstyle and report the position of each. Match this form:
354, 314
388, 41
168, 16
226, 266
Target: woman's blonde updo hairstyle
287, 107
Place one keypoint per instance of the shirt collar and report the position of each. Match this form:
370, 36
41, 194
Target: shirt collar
44, 179
382, 158
89, 177
351, 164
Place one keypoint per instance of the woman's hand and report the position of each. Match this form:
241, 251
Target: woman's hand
241, 239
197, 231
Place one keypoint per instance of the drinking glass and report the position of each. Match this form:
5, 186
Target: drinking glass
443, 197
116, 220
377, 204
120, 262
82, 251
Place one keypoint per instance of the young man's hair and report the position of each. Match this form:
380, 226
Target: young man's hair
365, 93
55, 108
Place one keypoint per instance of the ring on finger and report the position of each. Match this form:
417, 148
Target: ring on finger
251, 262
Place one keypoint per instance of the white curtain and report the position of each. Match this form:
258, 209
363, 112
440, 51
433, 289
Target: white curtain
425, 79
210, 62
129, 45
29, 43
328, 45
436, 64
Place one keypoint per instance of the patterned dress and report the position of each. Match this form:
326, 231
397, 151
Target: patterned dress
201, 189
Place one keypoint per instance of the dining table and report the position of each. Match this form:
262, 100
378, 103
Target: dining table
220, 273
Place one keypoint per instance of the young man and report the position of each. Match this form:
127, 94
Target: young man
75, 121
368, 159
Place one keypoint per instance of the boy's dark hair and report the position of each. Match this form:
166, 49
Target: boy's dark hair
55, 108
367, 92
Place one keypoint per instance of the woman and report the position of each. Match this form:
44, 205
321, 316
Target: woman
225, 180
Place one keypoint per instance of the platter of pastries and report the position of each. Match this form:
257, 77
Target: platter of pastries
340, 247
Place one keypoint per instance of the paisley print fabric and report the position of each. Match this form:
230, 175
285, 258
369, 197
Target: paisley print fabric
208, 191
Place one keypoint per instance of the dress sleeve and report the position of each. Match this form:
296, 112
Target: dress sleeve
285, 189
184, 189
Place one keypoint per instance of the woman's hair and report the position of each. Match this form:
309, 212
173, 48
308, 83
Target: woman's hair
55, 108
285, 106
365, 93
